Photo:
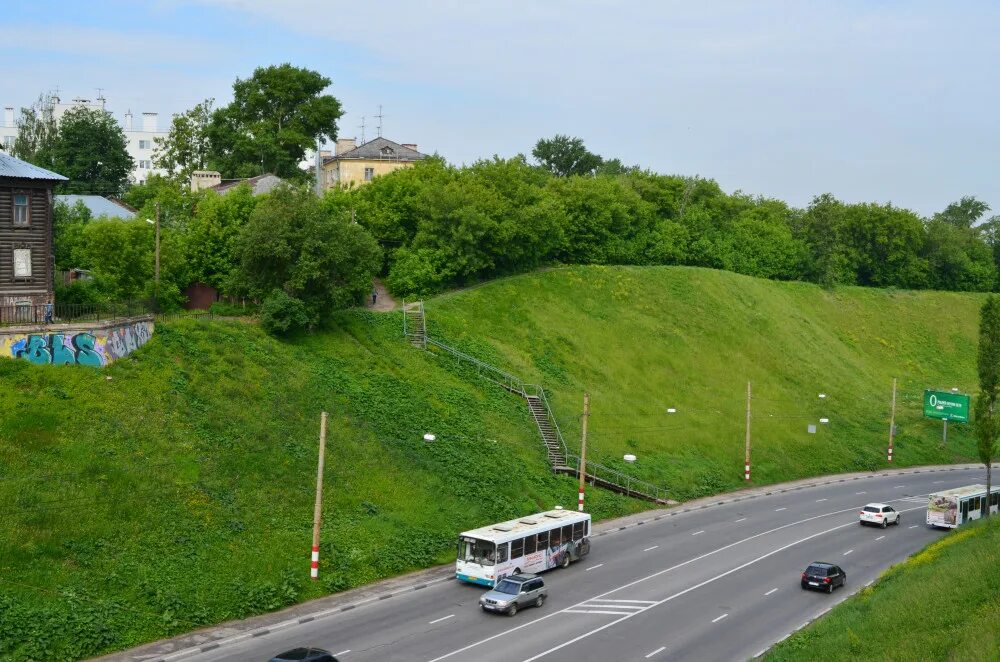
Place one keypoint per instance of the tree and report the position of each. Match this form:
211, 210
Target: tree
564, 156
91, 150
186, 147
276, 115
212, 234
964, 213
36, 131
987, 424
291, 248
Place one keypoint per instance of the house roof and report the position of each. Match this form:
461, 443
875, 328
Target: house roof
259, 184
379, 149
14, 167
100, 206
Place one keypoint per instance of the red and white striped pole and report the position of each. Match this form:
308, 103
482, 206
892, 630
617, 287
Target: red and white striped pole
746, 459
318, 510
583, 449
892, 420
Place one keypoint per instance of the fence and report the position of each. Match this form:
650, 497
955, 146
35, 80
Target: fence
62, 313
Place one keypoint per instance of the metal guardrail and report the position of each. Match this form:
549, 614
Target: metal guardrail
71, 313
629, 484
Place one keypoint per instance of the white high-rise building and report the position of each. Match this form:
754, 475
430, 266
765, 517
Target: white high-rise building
140, 138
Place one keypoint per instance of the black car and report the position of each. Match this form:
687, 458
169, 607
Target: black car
823, 576
305, 655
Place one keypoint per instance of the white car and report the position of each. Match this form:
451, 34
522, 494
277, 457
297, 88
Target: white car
879, 514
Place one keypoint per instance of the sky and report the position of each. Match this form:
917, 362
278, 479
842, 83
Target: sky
870, 100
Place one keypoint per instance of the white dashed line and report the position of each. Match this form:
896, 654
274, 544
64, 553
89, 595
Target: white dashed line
649, 549
778, 510
914, 526
848, 552
443, 618
342, 652
594, 567
716, 620
938, 481
658, 650
879, 538
698, 533
742, 519
896, 487
818, 500
771, 591
861, 493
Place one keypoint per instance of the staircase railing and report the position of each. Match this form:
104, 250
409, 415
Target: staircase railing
596, 473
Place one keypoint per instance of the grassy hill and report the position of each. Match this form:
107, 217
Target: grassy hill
174, 488
643, 340
941, 604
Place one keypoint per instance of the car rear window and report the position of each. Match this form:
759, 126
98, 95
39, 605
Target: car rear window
871, 509
816, 570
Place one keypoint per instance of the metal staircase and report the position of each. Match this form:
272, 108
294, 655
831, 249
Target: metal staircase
560, 460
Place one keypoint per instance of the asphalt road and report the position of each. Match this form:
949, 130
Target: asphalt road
716, 584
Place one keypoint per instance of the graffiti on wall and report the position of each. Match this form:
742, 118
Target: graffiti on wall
95, 347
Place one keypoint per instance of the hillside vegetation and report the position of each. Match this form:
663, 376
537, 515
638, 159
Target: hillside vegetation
941, 604
174, 488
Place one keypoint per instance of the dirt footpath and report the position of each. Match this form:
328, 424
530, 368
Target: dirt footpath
383, 301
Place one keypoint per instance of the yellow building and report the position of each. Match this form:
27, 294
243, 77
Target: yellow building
353, 165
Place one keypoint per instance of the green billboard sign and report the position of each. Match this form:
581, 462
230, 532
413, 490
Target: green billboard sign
946, 406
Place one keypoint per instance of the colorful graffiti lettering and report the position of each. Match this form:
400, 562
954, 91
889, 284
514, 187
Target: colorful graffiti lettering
97, 348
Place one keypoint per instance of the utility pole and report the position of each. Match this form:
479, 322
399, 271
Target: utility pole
747, 455
317, 511
583, 447
156, 278
892, 419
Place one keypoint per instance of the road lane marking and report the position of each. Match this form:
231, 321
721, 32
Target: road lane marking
342, 652
641, 602
649, 549
914, 526
778, 510
716, 620
594, 567
771, 591
658, 650
698, 533
938, 481
879, 538
742, 519
443, 618
848, 552
896, 487
861, 493
818, 500
596, 611
666, 570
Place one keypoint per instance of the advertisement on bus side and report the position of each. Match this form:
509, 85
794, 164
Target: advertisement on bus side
942, 510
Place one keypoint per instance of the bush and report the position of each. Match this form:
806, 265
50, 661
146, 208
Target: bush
78, 293
282, 314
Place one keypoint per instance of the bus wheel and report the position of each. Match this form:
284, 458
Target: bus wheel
565, 561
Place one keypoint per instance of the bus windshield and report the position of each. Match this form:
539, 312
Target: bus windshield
472, 550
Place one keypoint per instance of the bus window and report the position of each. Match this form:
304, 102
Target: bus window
543, 540
578, 531
995, 499
529, 545
554, 538
517, 549
567, 533
501, 552
478, 551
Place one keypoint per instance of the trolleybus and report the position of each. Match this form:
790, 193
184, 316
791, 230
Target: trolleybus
953, 507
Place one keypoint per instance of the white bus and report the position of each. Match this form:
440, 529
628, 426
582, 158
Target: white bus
529, 544
957, 506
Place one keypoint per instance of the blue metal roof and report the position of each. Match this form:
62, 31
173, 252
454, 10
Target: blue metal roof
11, 167
98, 206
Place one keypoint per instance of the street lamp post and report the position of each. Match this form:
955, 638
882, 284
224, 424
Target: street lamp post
156, 273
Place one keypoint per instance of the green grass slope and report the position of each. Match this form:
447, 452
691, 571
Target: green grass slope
941, 604
643, 340
174, 489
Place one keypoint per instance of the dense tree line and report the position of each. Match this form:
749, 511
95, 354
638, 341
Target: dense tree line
443, 226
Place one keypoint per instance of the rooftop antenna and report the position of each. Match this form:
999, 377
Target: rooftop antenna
362, 127
100, 94
380, 116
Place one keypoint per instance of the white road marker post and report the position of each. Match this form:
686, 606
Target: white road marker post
318, 510
583, 448
892, 419
746, 474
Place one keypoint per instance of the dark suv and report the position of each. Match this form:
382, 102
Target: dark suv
824, 576
305, 655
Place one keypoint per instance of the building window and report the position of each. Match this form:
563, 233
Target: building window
8, 141
145, 144
145, 164
22, 263
369, 174
21, 209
